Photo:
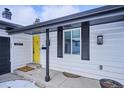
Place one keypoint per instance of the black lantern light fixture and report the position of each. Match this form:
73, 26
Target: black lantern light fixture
100, 39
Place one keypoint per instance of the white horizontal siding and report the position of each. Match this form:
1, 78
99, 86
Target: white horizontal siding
43, 52
110, 54
3, 33
21, 55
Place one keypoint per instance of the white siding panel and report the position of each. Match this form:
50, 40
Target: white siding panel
3, 33
43, 52
110, 54
21, 55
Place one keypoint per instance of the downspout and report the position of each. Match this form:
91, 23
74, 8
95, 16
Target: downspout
47, 77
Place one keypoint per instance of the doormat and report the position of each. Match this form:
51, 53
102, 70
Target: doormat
25, 68
69, 75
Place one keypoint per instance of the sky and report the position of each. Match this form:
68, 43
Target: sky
26, 14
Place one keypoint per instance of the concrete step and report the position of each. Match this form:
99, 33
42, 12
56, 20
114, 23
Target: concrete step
28, 76
23, 75
34, 65
37, 76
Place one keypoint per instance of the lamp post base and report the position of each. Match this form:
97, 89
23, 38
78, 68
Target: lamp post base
47, 78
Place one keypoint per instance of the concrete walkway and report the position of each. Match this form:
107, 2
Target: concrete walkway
9, 76
58, 80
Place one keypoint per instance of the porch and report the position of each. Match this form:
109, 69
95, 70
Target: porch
58, 80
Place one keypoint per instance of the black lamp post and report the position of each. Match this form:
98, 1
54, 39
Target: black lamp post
47, 77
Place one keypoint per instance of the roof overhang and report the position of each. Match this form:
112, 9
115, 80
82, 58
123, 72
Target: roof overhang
7, 25
95, 16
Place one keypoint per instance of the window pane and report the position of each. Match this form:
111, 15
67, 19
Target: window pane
68, 42
76, 33
76, 41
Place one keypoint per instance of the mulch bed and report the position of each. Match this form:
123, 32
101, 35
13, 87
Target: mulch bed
69, 75
108, 83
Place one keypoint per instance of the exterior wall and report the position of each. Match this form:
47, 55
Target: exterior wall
110, 54
20, 55
3, 33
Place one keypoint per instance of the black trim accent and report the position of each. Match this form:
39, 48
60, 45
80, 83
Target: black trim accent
104, 20
47, 77
44, 48
85, 44
18, 44
60, 42
107, 20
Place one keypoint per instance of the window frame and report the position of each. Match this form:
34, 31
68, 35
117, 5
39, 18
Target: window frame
71, 30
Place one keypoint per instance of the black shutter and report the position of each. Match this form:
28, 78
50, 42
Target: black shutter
60, 42
85, 41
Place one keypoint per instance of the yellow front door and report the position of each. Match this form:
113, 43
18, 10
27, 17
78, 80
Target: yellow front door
36, 49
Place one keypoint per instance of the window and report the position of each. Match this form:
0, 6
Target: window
68, 42
72, 41
76, 41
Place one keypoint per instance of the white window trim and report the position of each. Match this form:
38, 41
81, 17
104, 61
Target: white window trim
67, 30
